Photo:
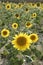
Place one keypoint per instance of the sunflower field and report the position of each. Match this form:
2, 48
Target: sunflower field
21, 33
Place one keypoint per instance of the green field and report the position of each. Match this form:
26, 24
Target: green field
21, 33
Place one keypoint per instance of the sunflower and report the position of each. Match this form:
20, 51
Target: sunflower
5, 33
28, 24
26, 10
33, 37
20, 5
38, 4
14, 25
33, 5
17, 16
8, 6
34, 15
21, 42
15, 5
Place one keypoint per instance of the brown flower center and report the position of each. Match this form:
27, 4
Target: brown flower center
33, 37
21, 41
4, 32
19, 5
33, 4
15, 25
34, 15
8, 6
38, 4
28, 24
17, 15
26, 9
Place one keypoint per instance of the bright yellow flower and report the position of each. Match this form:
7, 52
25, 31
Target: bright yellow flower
8, 6
21, 42
33, 37
14, 25
34, 15
28, 24
5, 33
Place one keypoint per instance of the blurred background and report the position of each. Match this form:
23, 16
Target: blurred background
23, 0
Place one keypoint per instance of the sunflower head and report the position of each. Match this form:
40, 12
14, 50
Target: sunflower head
15, 5
38, 4
33, 4
14, 25
20, 5
34, 15
26, 10
8, 6
33, 37
17, 16
21, 42
5, 33
28, 24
